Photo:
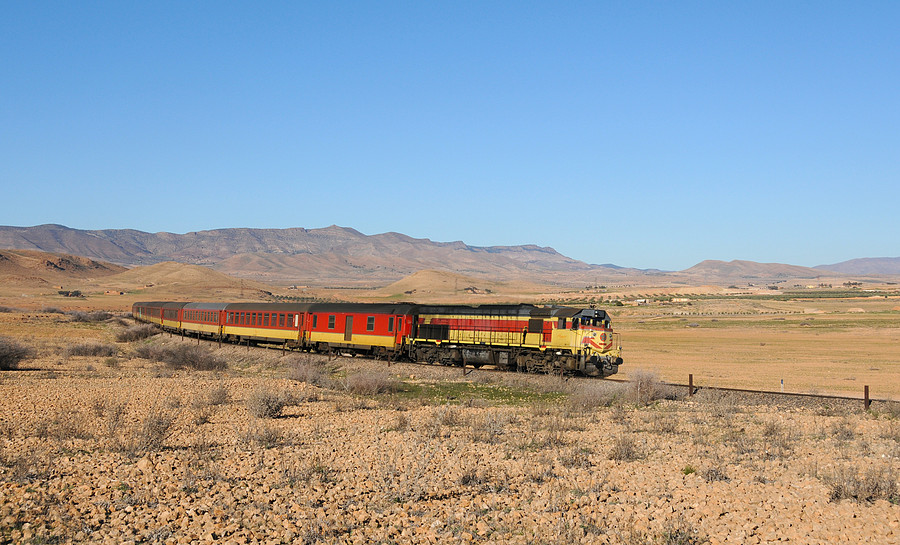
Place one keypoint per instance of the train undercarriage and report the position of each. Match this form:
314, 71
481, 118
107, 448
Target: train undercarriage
514, 359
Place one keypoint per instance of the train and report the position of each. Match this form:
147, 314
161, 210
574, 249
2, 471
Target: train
522, 337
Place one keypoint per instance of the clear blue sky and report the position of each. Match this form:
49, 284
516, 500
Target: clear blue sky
637, 133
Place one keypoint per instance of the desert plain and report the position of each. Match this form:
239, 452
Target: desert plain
110, 433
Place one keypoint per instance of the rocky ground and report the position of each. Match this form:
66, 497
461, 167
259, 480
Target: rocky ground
130, 444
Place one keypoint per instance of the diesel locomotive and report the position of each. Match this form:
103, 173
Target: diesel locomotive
511, 337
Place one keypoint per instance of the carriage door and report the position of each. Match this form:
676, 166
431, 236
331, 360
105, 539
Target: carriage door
348, 328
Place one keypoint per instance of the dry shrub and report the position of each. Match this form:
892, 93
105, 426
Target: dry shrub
644, 388
596, 394
778, 439
63, 425
52, 310
401, 423
488, 427
114, 414
309, 371
93, 316
625, 449
575, 458
548, 432
218, 395
371, 383
93, 349
263, 435
181, 356
843, 430
153, 430
720, 403
715, 472
312, 469
875, 483
679, 531
664, 423
137, 333
266, 403
12, 353
6, 309
442, 418
892, 409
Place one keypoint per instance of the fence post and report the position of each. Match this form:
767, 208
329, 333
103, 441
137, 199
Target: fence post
866, 401
690, 384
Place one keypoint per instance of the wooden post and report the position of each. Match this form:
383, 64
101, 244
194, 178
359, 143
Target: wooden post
866, 401
690, 384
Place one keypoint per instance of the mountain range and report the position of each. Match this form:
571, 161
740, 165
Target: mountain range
343, 256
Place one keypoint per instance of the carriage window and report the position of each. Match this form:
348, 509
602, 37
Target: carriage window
265, 319
391, 324
370, 323
315, 320
561, 324
290, 319
331, 321
281, 320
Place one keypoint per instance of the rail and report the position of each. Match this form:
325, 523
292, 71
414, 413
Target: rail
692, 388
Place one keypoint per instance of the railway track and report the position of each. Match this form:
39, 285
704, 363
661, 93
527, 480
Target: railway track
690, 387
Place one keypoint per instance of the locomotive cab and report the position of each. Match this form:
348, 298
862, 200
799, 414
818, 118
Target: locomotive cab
599, 348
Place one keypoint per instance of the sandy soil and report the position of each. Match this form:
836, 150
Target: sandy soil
119, 449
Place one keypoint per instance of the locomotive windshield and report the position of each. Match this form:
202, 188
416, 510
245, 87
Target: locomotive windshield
591, 317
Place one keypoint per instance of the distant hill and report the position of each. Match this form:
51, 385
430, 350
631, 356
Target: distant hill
178, 278
343, 257
333, 255
435, 286
34, 267
749, 270
866, 266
